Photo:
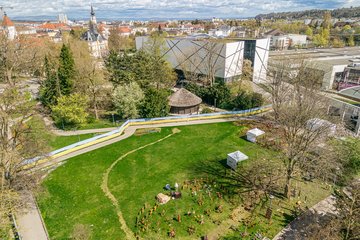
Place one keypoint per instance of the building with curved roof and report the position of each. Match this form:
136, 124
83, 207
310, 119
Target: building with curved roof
184, 102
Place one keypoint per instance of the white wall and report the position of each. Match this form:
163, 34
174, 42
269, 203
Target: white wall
261, 60
297, 39
228, 58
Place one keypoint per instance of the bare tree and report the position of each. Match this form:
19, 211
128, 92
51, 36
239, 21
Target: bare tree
299, 109
211, 60
18, 141
119, 43
19, 57
189, 64
254, 182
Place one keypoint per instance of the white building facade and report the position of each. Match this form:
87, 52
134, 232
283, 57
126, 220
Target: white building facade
8, 27
225, 59
98, 44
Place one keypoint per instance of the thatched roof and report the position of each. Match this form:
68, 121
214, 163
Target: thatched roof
184, 98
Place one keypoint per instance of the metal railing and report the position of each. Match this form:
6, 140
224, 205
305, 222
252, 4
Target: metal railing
119, 131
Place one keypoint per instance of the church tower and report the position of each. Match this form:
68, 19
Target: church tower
92, 17
9, 27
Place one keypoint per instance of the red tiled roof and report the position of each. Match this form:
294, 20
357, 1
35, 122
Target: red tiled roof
101, 27
124, 30
7, 22
53, 26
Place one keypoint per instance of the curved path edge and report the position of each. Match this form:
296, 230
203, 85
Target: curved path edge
106, 189
128, 132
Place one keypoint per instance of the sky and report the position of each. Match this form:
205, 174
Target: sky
162, 9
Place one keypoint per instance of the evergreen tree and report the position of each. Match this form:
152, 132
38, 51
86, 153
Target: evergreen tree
50, 88
142, 67
155, 103
66, 71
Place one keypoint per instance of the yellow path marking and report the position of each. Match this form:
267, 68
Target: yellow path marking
105, 186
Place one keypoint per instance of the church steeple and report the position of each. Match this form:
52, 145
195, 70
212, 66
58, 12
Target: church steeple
92, 15
92, 11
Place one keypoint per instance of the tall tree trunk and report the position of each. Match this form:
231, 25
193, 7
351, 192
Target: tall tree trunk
95, 107
289, 172
287, 186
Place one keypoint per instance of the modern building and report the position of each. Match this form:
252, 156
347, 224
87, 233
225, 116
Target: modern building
98, 44
224, 59
332, 63
351, 76
339, 66
8, 27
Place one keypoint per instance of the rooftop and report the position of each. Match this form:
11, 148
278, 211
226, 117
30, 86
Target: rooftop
6, 22
184, 98
352, 52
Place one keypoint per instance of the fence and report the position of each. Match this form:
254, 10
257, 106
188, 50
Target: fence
136, 122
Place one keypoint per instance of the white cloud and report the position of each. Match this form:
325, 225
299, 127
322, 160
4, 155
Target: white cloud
164, 8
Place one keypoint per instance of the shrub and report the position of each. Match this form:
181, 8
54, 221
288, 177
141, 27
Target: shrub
245, 100
155, 103
206, 110
70, 110
219, 91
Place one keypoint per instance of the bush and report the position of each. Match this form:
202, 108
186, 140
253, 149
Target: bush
206, 110
199, 91
126, 98
155, 104
220, 92
70, 110
245, 100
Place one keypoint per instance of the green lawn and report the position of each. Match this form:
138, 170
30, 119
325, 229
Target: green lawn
72, 193
51, 140
95, 124
56, 142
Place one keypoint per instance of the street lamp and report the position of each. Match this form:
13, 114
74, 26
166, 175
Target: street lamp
113, 118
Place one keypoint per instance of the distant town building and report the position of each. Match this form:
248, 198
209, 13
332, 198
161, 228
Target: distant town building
139, 30
124, 31
8, 27
62, 18
351, 76
223, 31
98, 44
282, 41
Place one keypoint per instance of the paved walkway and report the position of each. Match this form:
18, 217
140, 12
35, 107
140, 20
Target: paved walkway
303, 226
79, 132
30, 224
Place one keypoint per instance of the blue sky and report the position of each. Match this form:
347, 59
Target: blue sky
138, 9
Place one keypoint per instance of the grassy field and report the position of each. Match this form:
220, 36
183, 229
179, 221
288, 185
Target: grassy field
72, 194
56, 142
53, 141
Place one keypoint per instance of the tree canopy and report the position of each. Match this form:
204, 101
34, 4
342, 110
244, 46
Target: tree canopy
66, 71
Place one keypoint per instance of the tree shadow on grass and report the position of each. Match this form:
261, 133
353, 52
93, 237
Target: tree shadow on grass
307, 224
233, 182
